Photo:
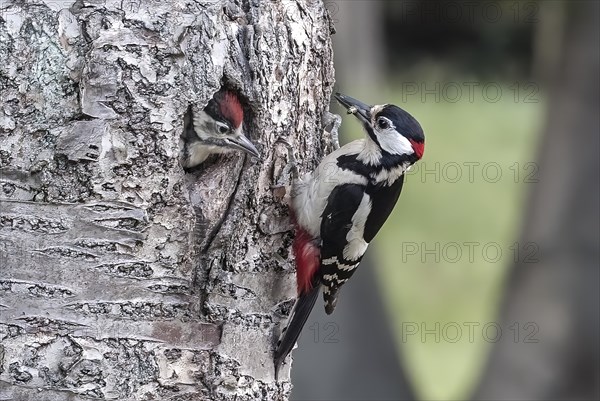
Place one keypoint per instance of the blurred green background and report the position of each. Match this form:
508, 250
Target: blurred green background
444, 62
500, 88
454, 197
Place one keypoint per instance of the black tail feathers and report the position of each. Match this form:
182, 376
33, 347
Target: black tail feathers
330, 297
289, 335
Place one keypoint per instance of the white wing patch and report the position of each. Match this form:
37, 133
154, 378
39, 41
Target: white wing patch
357, 246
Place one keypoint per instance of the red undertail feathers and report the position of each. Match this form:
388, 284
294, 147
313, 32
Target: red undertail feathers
307, 256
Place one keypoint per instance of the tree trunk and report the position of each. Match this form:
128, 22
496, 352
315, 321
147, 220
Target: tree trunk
121, 276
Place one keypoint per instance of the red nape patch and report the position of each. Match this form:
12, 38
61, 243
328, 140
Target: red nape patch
418, 147
307, 256
231, 108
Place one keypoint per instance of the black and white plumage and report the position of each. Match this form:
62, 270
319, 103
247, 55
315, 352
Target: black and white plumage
340, 206
215, 129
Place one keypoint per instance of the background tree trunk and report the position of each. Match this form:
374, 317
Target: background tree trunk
554, 291
122, 277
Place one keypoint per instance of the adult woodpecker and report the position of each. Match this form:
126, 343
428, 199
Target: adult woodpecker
339, 207
215, 129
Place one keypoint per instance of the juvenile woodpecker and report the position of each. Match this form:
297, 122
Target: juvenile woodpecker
339, 207
216, 129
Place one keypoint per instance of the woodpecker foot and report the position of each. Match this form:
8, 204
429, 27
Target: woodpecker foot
290, 169
331, 124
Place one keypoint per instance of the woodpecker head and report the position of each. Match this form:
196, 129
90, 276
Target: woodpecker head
392, 129
217, 129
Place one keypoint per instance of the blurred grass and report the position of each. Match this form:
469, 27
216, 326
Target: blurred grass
445, 210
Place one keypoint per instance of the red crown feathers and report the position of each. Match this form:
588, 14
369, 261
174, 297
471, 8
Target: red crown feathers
231, 108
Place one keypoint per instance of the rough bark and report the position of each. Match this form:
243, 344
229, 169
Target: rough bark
122, 277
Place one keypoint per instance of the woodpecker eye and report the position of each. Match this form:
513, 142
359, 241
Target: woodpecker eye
223, 129
383, 123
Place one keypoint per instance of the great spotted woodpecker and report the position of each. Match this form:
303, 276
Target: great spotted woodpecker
339, 207
215, 129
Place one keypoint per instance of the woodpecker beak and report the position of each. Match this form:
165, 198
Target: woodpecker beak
359, 109
241, 142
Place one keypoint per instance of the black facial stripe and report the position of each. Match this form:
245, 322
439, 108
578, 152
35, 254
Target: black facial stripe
388, 161
351, 163
371, 134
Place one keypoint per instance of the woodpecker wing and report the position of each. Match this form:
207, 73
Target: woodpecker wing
352, 216
342, 236
383, 198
